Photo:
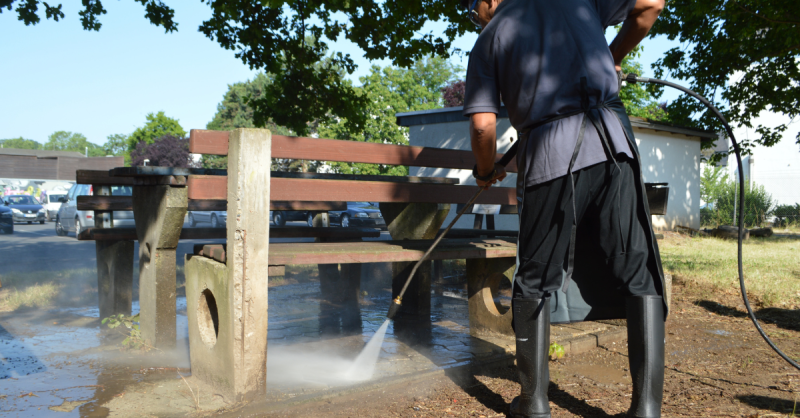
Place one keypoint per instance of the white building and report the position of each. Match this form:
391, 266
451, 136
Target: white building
670, 154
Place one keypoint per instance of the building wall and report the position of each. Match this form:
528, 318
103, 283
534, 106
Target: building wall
52, 168
674, 159
666, 158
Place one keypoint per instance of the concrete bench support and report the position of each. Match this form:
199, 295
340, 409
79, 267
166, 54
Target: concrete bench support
159, 211
227, 302
413, 221
484, 276
114, 277
114, 265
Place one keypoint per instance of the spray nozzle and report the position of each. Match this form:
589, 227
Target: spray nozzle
394, 307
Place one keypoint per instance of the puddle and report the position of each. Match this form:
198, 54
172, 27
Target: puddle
58, 363
720, 332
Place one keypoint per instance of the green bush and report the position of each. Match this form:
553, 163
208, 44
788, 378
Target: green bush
720, 193
787, 215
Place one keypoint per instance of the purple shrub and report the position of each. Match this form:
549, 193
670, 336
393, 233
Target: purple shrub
167, 151
453, 93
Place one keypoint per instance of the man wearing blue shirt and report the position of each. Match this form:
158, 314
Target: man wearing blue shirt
586, 248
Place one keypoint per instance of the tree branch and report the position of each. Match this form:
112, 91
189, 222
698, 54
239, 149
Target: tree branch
787, 22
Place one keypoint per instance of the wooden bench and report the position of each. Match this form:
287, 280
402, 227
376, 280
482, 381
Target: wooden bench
227, 293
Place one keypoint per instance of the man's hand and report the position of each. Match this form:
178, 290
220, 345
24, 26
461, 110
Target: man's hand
635, 28
500, 174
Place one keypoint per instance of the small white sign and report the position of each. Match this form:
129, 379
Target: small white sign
486, 209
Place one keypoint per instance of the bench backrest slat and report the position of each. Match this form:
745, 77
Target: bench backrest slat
375, 191
101, 177
301, 148
202, 141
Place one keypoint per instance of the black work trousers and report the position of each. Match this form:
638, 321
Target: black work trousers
611, 243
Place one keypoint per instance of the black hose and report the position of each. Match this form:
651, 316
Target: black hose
633, 78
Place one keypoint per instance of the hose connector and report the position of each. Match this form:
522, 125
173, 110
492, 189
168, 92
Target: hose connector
394, 307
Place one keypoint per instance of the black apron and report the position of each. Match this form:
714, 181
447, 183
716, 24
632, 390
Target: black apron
568, 303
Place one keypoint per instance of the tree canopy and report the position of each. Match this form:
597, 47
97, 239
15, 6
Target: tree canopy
745, 51
69, 141
157, 126
272, 35
20, 143
391, 90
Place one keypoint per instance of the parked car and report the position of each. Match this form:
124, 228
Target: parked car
25, 208
357, 214
52, 203
279, 217
217, 218
6, 220
69, 218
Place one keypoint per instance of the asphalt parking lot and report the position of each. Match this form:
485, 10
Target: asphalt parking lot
36, 247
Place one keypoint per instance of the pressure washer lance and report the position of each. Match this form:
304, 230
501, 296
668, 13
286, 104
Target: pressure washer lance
397, 302
634, 78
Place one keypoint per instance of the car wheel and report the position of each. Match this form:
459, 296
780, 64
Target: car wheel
278, 219
30, 222
214, 221
41, 222
60, 228
345, 221
192, 222
78, 227
310, 219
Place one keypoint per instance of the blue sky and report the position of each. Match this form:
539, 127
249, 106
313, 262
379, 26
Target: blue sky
56, 76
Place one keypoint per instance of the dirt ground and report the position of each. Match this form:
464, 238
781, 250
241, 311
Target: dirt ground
716, 366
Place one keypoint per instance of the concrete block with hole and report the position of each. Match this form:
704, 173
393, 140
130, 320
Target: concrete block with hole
489, 289
226, 295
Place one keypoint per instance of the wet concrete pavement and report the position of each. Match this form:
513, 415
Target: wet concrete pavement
59, 363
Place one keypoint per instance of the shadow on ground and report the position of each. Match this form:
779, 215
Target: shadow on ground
781, 406
784, 318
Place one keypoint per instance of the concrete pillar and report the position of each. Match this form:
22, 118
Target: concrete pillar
413, 221
159, 211
230, 353
114, 277
114, 265
483, 278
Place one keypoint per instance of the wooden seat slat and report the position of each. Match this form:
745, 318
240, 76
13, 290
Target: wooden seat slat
164, 171
388, 251
129, 234
100, 177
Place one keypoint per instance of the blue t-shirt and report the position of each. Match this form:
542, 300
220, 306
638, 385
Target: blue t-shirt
533, 55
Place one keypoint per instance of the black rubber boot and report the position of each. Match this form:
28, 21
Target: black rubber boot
646, 354
532, 328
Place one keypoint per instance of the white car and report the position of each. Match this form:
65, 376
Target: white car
52, 204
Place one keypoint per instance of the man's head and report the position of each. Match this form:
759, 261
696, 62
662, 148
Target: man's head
480, 12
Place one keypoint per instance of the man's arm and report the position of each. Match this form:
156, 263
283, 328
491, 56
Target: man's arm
635, 28
483, 136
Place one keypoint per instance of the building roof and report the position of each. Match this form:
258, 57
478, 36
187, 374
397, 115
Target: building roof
40, 153
453, 114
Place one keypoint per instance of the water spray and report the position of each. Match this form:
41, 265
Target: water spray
633, 79
397, 302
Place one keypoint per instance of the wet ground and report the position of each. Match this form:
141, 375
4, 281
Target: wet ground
64, 363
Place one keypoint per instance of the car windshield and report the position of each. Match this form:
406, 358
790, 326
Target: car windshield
53, 198
21, 200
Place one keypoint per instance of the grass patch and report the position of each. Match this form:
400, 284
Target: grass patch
771, 267
40, 289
